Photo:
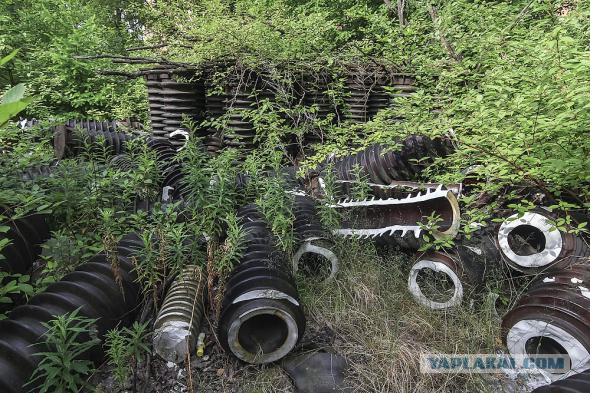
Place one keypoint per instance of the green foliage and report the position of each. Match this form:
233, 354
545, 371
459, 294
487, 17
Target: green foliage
60, 370
49, 35
13, 100
125, 348
13, 284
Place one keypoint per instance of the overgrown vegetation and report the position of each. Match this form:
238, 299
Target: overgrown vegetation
509, 80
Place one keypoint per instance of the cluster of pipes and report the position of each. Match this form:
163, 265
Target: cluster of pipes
261, 318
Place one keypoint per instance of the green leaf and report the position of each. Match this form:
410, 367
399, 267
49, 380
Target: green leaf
7, 111
9, 57
16, 93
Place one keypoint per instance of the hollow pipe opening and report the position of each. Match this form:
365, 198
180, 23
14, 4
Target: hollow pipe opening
526, 240
263, 334
447, 293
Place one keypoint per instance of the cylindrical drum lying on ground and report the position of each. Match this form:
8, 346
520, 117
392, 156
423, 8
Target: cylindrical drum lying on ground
531, 243
111, 298
553, 317
261, 315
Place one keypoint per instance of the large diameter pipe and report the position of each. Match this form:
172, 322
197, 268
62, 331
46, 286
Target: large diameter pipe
531, 243
261, 316
553, 317
99, 293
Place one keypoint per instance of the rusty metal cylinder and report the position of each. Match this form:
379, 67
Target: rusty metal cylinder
110, 297
553, 317
531, 243
261, 317
179, 320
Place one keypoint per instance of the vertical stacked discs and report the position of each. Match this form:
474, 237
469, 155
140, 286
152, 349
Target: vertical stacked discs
175, 98
93, 288
229, 109
261, 317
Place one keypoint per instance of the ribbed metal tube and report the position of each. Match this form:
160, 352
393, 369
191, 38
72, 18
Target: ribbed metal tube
315, 248
530, 243
26, 235
381, 166
261, 316
178, 323
111, 298
553, 317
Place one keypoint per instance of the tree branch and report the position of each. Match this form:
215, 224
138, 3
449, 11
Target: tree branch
443, 39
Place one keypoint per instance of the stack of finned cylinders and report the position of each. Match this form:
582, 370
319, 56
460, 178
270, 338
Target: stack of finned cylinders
314, 91
175, 99
230, 106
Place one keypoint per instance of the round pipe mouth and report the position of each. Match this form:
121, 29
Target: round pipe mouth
453, 227
262, 335
532, 336
439, 267
310, 250
530, 241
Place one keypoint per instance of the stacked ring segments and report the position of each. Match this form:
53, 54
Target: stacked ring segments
99, 293
261, 316
173, 99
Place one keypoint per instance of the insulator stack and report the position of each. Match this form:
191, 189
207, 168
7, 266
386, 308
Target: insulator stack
402, 221
93, 288
26, 235
178, 323
380, 165
230, 106
174, 98
440, 280
552, 318
314, 92
577, 383
122, 162
39, 171
261, 316
531, 243
70, 138
170, 168
173, 178
314, 244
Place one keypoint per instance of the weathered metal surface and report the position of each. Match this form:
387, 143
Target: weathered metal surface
577, 383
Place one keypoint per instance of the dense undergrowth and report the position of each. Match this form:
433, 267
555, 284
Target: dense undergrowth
509, 80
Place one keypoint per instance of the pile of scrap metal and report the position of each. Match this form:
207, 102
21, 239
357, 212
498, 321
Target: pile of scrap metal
261, 318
